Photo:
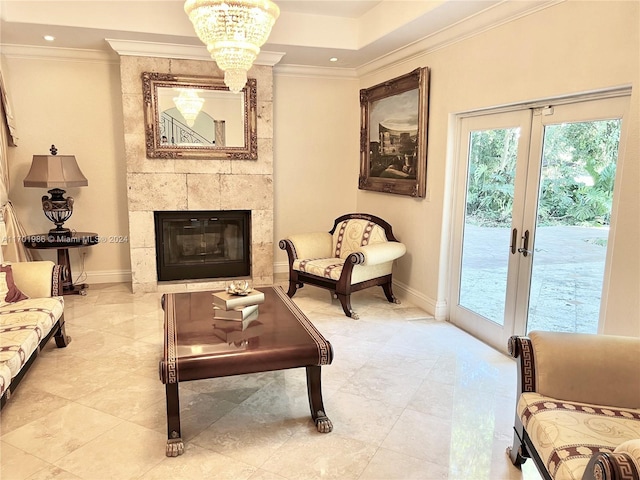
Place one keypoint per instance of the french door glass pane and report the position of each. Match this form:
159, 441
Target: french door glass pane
487, 224
574, 207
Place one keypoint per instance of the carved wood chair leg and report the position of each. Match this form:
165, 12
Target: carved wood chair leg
518, 452
61, 337
293, 287
388, 292
345, 301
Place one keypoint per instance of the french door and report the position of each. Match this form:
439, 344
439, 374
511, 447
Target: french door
533, 196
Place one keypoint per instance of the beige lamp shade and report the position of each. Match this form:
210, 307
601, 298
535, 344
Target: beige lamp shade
55, 171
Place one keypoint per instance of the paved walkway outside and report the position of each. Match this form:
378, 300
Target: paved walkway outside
566, 286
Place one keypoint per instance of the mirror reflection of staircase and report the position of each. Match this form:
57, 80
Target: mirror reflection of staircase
205, 130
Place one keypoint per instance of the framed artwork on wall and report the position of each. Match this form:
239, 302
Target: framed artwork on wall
393, 135
198, 117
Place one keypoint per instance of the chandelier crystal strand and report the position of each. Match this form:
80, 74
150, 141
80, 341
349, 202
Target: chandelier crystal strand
233, 31
188, 104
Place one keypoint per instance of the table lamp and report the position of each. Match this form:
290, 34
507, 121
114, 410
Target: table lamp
56, 172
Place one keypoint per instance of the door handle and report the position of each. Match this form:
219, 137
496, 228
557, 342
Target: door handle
514, 239
524, 250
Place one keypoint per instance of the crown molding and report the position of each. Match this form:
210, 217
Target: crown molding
479, 23
268, 59
138, 48
315, 72
56, 53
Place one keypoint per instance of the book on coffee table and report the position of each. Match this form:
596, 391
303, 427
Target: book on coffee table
228, 301
223, 324
238, 313
237, 335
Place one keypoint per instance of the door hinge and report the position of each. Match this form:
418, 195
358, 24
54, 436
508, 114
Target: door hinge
543, 111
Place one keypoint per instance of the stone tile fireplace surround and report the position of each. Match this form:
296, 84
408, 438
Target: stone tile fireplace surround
189, 184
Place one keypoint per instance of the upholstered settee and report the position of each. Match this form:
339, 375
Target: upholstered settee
31, 312
578, 405
357, 253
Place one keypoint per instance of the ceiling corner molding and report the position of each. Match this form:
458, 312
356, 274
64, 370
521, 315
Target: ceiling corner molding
136, 48
56, 53
269, 58
315, 72
477, 24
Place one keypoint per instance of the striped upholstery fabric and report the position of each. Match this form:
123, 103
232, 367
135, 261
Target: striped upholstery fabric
348, 237
355, 233
22, 326
568, 434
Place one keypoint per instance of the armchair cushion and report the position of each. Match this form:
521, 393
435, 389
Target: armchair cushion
23, 326
35, 278
355, 233
372, 261
26, 325
567, 434
320, 267
312, 245
597, 369
380, 253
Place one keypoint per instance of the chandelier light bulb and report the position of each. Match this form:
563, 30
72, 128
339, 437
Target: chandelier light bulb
233, 31
189, 104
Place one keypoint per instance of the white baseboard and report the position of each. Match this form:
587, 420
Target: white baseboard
431, 306
107, 276
438, 309
281, 267
402, 291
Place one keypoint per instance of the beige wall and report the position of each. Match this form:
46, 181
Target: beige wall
316, 147
571, 47
75, 104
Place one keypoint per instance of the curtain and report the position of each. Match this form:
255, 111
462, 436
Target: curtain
11, 231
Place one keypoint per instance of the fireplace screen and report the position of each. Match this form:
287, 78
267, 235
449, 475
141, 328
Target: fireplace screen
198, 244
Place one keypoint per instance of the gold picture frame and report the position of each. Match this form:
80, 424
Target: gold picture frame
393, 135
224, 128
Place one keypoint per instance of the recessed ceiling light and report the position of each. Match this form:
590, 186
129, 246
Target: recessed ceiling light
49, 38
333, 59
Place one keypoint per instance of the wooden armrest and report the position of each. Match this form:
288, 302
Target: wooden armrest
521, 349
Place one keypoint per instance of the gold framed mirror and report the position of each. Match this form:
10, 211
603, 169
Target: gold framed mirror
198, 117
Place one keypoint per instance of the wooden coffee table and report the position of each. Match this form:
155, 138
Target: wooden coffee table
194, 348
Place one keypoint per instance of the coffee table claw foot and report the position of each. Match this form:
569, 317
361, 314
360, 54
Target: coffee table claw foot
323, 424
175, 447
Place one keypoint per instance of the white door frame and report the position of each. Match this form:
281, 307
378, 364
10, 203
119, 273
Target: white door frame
497, 335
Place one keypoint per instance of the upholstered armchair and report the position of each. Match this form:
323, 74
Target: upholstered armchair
357, 253
578, 405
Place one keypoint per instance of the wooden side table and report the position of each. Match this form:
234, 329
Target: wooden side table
63, 242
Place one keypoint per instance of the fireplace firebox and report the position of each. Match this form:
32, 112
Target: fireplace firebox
202, 244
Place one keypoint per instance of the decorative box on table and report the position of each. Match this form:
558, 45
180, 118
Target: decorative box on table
238, 313
239, 302
229, 301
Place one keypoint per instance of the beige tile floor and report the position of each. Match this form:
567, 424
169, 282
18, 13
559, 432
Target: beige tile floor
409, 397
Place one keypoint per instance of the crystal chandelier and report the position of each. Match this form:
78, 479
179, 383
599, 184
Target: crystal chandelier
233, 31
188, 104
